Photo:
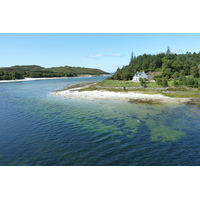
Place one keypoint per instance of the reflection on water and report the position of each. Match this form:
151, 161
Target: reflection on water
40, 129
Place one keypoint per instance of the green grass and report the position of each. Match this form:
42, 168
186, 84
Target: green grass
116, 83
90, 88
184, 94
175, 92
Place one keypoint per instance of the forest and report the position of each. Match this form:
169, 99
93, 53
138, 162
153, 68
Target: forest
184, 69
35, 71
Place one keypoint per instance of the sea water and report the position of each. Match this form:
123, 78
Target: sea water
37, 128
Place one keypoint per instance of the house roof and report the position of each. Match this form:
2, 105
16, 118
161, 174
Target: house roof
139, 73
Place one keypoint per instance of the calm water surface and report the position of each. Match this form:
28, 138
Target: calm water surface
39, 129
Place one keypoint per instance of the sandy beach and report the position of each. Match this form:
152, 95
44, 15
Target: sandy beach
120, 96
37, 79
29, 79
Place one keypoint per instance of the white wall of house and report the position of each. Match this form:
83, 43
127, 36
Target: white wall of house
139, 75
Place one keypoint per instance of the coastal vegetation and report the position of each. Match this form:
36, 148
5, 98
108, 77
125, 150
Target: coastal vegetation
175, 79
182, 69
152, 88
35, 71
172, 75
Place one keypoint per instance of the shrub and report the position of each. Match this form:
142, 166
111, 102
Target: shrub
158, 81
164, 82
143, 82
175, 83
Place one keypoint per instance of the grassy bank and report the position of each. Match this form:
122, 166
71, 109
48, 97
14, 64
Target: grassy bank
152, 88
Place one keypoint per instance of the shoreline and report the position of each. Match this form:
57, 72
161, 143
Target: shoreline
37, 79
134, 97
30, 79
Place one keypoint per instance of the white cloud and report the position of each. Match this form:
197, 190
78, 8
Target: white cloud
96, 55
176, 51
102, 55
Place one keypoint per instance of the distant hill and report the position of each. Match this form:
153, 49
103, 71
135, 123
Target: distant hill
36, 71
26, 68
78, 70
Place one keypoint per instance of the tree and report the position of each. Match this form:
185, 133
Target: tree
117, 75
199, 69
132, 57
175, 83
158, 81
170, 65
199, 84
194, 71
190, 81
143, 82
164, 82
168, 51
175, 75
182, 73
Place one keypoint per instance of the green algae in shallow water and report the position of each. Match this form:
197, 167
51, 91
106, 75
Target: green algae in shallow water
126, 120
167, 125
164, 134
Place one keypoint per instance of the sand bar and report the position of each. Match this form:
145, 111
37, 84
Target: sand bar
120, 96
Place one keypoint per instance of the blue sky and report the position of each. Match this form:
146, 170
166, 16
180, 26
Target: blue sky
105, 51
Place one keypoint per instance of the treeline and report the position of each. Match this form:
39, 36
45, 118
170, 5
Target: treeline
169, 65
35, 71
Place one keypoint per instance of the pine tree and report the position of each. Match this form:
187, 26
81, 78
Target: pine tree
168, 51
132, 57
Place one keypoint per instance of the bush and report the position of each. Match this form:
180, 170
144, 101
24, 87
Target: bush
143, 82
158, 81
199, 84
164, 82
175, 83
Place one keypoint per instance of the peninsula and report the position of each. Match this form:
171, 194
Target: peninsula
162, 78
93, 92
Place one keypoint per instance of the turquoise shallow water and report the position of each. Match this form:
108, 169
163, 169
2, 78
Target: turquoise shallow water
39, 129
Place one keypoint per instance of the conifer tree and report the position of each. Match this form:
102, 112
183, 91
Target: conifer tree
168, 51
132, 57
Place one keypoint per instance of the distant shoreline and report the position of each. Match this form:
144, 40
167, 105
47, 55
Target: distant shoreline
134, 97
30, 79
36, 79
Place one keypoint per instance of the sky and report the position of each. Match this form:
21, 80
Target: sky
105, 51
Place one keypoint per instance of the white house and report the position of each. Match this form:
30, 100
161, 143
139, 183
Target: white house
139, 75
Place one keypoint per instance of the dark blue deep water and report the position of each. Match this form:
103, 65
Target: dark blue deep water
37, 128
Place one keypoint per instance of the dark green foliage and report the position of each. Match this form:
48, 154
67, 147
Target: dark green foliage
159, 81
182, 73
189, 81
175, 75
132, 57
143, 82
175, 83
199, 84
35, 71
181, 67
164, 82
194, 71
77, 70
168, 51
